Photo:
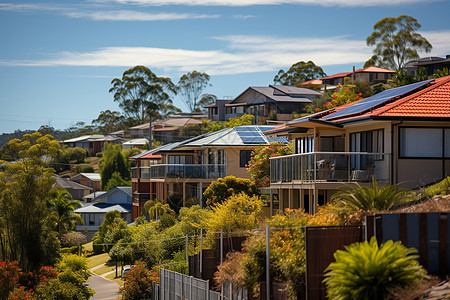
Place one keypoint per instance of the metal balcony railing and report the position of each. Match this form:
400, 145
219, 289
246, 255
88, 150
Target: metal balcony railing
330, 167
182, 171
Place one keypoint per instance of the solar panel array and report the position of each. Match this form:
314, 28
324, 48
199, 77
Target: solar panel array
254, 135
375, 100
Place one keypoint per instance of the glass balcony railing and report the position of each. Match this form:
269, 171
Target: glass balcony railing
330, 166
182, 171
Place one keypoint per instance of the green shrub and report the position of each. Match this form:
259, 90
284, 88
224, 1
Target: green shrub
367, 271
84, 168
99, 154
69, 250
224, 188
440, 188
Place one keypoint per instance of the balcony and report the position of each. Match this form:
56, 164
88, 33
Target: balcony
181, 171
330, 167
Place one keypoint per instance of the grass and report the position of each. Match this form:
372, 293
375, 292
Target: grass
97, 260
88, 246
105, 269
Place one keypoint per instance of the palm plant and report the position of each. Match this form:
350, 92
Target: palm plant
156, 209
370, 199
61, 207
367, 271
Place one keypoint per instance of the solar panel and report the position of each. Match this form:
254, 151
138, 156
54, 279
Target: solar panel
253, 140
276, 139
377, 99
245, 128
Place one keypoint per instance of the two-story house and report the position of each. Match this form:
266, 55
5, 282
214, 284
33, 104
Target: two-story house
178, 173
260, 101
399, 136
370, 74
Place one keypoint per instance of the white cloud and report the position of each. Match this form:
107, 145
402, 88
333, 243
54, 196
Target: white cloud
267, 2
243, 17
102, 13
440, 40
129, 15
244, 54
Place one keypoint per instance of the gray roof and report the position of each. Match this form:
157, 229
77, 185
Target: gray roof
104, 208
86, 138
94, 195
125, 189
66, 183
231, 137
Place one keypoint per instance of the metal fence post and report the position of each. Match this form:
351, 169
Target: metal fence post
201, 253
187, 251
267, 262
221, 259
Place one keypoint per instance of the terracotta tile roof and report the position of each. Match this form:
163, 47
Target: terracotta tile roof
374, 70
433, 101
338, 75
312, 81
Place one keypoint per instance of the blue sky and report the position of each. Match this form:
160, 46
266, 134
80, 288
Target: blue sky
57, 58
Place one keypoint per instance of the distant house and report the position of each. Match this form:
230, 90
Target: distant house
431, 64
370, 74
76, 190
135, 143
92, 143
92, 180
260, 101
118, 199
217, 110
165, 131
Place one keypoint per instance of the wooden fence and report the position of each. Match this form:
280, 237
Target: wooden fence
320, 245
429, 233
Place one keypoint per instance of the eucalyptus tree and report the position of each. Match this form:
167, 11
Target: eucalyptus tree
142, 95
190, 89
299, 72
396, 41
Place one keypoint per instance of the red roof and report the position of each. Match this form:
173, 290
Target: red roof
338, 75
151, 156
374, 70
430, 102
312, 81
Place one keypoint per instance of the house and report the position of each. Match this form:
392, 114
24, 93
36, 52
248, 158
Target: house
260, 101
399, 136
178, 173
217, 110
118, 199
135, 143
166, 131
92, 180
431, 64
76, 190
92, 143
371, 75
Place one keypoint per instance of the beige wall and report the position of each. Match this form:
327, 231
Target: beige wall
232, 158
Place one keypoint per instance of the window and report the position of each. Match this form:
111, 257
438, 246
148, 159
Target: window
422, 142
304, 144
367, 141
221, 157
245, 156
180, 159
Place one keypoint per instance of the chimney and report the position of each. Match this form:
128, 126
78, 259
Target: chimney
353, 75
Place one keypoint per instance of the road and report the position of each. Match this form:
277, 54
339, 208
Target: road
104, 289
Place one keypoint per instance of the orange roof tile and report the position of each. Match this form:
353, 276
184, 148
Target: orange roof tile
374, 70
338, 75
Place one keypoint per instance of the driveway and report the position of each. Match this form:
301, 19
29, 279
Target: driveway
105, 289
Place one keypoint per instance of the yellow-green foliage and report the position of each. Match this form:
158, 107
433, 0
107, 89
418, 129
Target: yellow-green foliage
224, 188
367, 271
440, 188
238, 212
